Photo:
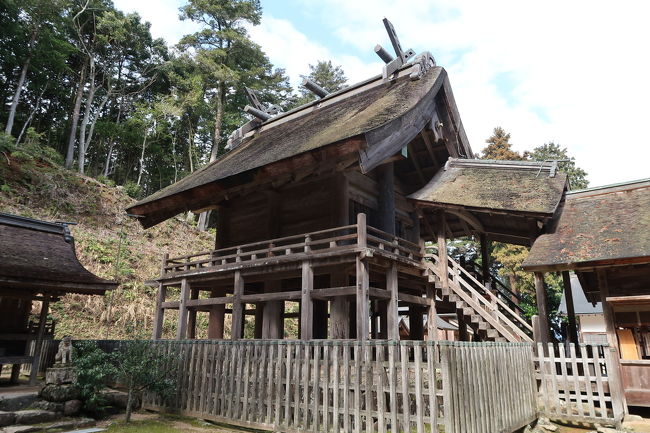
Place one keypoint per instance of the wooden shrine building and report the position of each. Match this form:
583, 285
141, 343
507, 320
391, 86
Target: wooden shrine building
329, 205
603, 235
37, 263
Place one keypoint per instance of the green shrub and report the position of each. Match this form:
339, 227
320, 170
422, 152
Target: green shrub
7, 143
105, 180
94, 369
132, 189
21, 156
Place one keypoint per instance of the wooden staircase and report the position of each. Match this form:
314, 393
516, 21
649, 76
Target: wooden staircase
484, 312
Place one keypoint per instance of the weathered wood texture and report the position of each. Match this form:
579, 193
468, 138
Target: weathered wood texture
345, 386
577, 383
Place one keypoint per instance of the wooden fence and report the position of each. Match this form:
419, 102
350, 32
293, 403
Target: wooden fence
350, 386
386, 386
578, 383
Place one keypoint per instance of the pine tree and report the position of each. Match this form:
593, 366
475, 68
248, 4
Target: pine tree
325, 74
499, 146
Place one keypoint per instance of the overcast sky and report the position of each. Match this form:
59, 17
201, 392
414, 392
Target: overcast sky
572, 72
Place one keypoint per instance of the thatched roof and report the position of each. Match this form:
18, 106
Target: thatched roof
486, 185
40, 256
370, 112
599, 226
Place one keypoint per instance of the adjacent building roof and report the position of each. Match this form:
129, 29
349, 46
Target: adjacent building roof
40, 256
381, 114
580, 303
599, 226
484, 185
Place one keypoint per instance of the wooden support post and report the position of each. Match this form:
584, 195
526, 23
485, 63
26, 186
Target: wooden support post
540, 290
534, 321
191, 316
432, 329
362, 230
273, 317
416, 323
340, 309
160, 312
442, 250
363, 285
38, 345
392, 313
570, 310
216, 317
237, 328
342, 199
386, 199
221, 239
485, 258
463, 335
182, 310
259, 319
617, 391
160, 298
306, 303
15, 373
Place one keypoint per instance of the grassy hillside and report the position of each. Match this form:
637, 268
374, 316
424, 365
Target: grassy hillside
33, 184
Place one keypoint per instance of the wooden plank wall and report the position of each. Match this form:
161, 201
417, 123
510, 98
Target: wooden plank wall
351, 386
576, 383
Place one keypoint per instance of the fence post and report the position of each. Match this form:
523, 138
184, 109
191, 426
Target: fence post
362, 230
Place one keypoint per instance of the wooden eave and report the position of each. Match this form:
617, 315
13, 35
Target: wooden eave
334, 157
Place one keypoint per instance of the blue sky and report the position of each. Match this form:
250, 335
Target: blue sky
570, 72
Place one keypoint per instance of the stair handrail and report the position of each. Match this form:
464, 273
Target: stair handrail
493, 296
501, 323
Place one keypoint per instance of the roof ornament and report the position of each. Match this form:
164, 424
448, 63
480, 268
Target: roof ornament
259, 111
392, 64
314, 88
554, 166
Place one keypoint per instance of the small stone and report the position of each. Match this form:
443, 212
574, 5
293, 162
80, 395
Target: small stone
630, 417
601, 429
549, 427
7, 418
48, 405
71, 407
34, 416
21, 429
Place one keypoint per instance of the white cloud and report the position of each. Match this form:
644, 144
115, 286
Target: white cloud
290, 49
163, 16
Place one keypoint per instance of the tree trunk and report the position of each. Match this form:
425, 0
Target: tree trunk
144, 145
112, 142
69, 156
86, 118
31, 115
218, 122
129, 402
19, 86
204, 218
94, 121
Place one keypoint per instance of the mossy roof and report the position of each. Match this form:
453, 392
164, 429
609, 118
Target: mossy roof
599, 226
350, 113
512, 186
38, 255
